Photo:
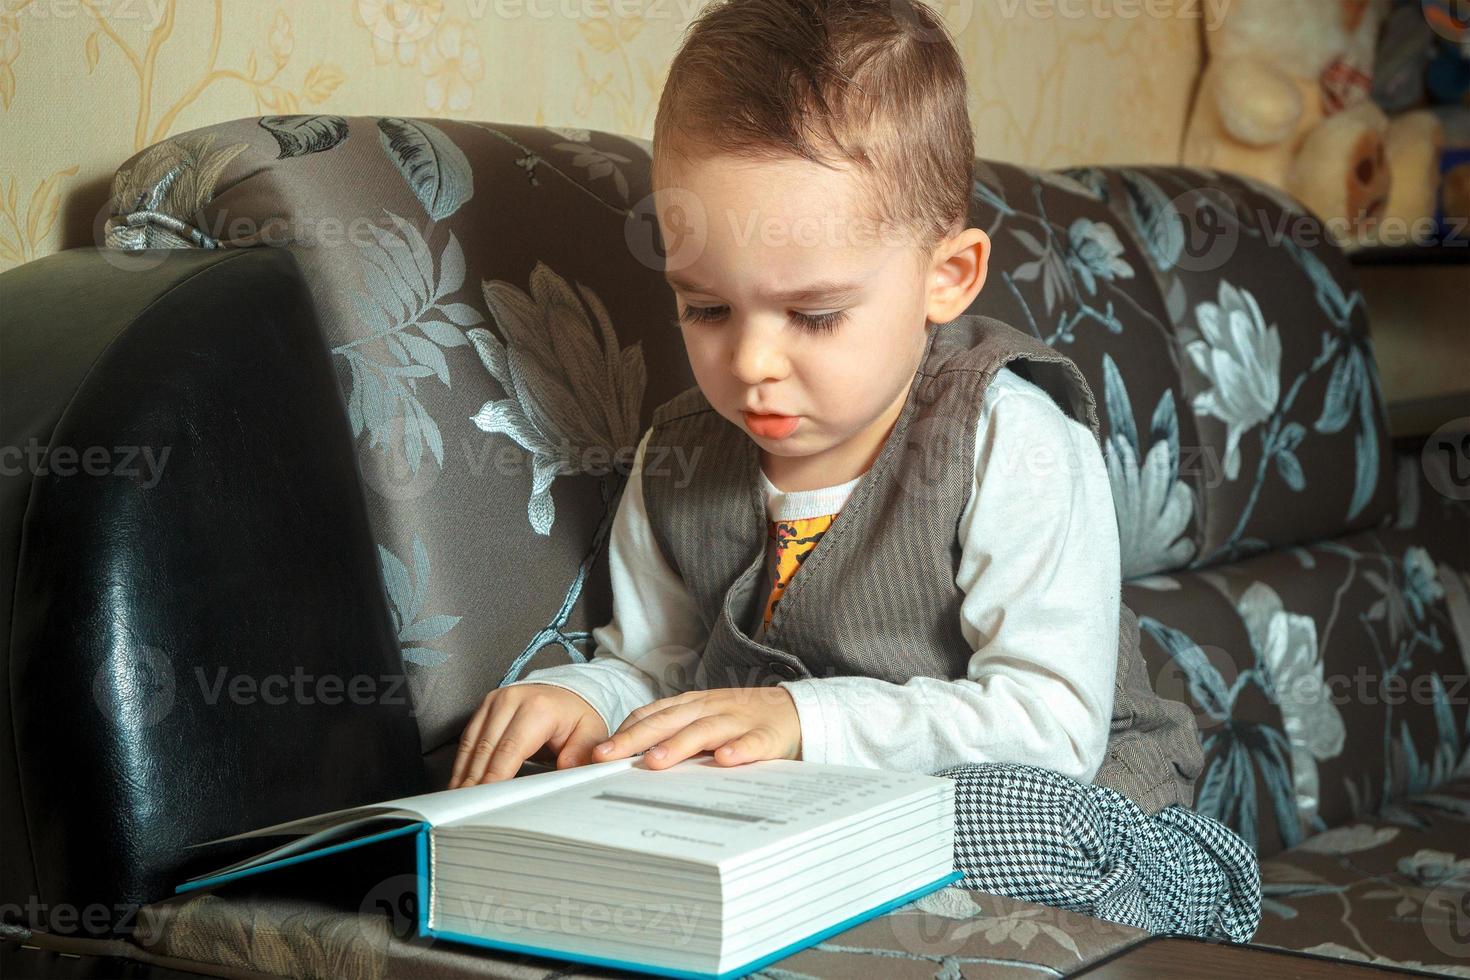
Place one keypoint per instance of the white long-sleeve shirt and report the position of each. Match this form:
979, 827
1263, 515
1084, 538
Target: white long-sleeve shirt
1041, 576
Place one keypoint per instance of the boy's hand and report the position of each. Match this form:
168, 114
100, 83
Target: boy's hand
513, 723
738, 724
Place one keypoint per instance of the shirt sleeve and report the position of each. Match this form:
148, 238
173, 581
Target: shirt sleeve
655, 639
1041, 576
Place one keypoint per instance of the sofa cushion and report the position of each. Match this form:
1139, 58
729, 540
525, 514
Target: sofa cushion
1390, 888
1329, 678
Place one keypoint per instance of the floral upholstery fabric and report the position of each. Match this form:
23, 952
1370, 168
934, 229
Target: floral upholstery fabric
1390, 889
493, 301
1277, 364
1328, 679
497, 342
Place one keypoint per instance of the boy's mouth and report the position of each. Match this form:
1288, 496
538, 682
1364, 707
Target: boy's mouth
771, 426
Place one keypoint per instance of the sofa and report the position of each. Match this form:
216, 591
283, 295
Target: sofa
324, 440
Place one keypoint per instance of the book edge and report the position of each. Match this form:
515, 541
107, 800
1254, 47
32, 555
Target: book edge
427, 932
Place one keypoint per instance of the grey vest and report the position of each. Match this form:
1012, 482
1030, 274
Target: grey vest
877, 597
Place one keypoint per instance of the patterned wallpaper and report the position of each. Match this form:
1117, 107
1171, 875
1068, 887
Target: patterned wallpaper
85, 83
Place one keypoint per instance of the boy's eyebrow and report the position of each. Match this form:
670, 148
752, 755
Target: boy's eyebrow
817, 290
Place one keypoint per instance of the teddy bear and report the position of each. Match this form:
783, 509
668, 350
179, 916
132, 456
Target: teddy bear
1284, 99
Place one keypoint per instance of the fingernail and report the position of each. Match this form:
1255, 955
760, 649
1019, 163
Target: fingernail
604, 747
658, 752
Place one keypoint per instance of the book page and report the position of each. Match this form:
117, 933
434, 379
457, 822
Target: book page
442, 806
436, 808
702, 811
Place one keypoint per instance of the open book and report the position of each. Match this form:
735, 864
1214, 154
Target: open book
697, 870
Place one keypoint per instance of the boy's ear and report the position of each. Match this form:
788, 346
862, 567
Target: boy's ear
957, 274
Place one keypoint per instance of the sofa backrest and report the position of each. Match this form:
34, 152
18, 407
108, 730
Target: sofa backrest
493, 302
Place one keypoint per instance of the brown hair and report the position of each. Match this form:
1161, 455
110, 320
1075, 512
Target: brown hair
874, 83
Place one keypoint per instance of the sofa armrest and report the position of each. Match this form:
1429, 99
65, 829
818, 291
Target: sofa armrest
197, 639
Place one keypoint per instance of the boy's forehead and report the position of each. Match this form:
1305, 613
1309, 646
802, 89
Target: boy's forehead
826, 287
796, 185
801, 230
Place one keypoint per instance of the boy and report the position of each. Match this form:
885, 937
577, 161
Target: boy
963, 617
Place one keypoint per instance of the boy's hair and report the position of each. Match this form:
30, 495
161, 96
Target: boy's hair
876, 84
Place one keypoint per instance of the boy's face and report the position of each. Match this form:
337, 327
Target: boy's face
746, 238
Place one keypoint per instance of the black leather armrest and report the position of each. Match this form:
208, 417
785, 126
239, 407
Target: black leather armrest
196, 634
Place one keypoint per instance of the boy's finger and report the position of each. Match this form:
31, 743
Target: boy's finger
635, 736
469, 738
508, 739
701, 735
753, 745
577, 751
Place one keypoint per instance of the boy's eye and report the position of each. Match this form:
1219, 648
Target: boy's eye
814, 322
820, 322
701, 313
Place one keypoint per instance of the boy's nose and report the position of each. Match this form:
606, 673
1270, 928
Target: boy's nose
756, 358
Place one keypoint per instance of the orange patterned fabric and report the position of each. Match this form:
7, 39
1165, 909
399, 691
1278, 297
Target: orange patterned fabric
793, 541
